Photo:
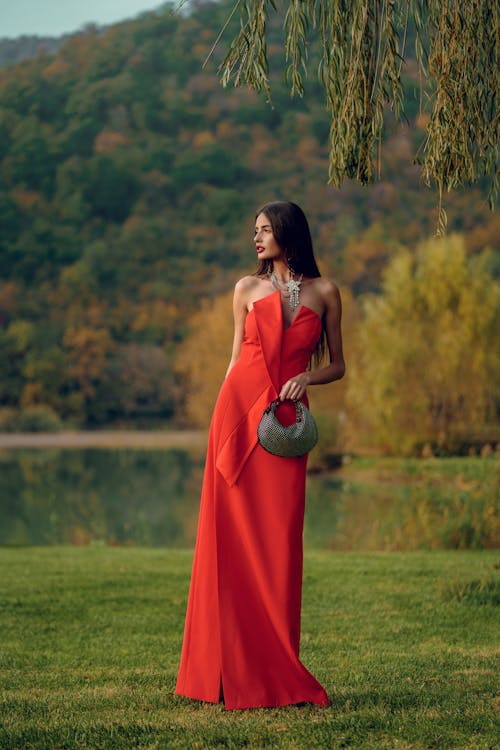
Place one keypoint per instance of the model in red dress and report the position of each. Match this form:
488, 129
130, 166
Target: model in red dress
242, 632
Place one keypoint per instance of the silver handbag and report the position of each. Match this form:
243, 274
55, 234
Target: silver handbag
294, 440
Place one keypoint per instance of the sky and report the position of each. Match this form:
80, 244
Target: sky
56, 17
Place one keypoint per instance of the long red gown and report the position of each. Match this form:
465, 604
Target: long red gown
242, 626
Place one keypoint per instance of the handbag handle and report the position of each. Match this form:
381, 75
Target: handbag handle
277, 402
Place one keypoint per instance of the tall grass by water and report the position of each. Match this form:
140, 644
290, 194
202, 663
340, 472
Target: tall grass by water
405, 644
410, 504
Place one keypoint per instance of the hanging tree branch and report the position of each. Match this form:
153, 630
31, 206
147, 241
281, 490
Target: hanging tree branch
362, 51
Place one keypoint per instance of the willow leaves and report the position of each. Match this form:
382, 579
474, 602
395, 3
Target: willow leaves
362, 50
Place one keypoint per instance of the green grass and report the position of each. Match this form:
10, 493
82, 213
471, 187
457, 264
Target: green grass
403, 642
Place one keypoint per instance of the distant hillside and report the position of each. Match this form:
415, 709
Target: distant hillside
23, 47
129, 182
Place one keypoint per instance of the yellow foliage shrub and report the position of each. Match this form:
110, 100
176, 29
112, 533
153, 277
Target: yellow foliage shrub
202, 359
428, 357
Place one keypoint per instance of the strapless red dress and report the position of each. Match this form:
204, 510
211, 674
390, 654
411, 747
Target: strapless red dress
242, 631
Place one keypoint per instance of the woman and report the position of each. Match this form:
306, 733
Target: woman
241, 639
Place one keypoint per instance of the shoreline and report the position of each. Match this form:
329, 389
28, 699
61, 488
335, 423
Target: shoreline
105, 439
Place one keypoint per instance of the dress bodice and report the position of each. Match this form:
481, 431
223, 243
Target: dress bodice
270, 355
298, 341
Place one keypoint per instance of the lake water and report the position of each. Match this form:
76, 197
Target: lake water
151, 498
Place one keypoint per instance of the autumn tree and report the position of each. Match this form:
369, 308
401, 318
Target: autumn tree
428, 351
143, 385
202, 359
88, 351
362, 49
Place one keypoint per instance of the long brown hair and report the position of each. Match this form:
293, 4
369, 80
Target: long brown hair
291, 232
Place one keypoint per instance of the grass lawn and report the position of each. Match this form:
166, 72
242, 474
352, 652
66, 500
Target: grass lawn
403, 642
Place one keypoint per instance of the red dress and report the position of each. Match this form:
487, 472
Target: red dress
243, 617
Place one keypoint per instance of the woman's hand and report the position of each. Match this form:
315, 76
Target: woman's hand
295, 387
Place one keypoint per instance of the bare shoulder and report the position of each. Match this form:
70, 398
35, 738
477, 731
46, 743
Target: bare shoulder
328, 290
245, 284
244, 287
244, 291
326, 286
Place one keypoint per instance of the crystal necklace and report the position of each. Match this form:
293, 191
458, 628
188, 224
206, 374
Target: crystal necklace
292, 288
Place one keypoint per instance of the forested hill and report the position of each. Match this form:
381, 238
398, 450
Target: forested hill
129, 179
23, 47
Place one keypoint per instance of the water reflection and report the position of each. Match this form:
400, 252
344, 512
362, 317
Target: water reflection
151, 498
347, 515
111, 496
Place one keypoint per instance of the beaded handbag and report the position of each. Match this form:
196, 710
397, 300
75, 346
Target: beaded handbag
293, 440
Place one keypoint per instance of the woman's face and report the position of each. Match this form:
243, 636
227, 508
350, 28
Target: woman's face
266, 246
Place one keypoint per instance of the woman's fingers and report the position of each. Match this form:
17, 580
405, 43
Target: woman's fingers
293, 389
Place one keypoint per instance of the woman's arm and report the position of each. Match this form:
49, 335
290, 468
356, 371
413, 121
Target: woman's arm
239, 312
296, 386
